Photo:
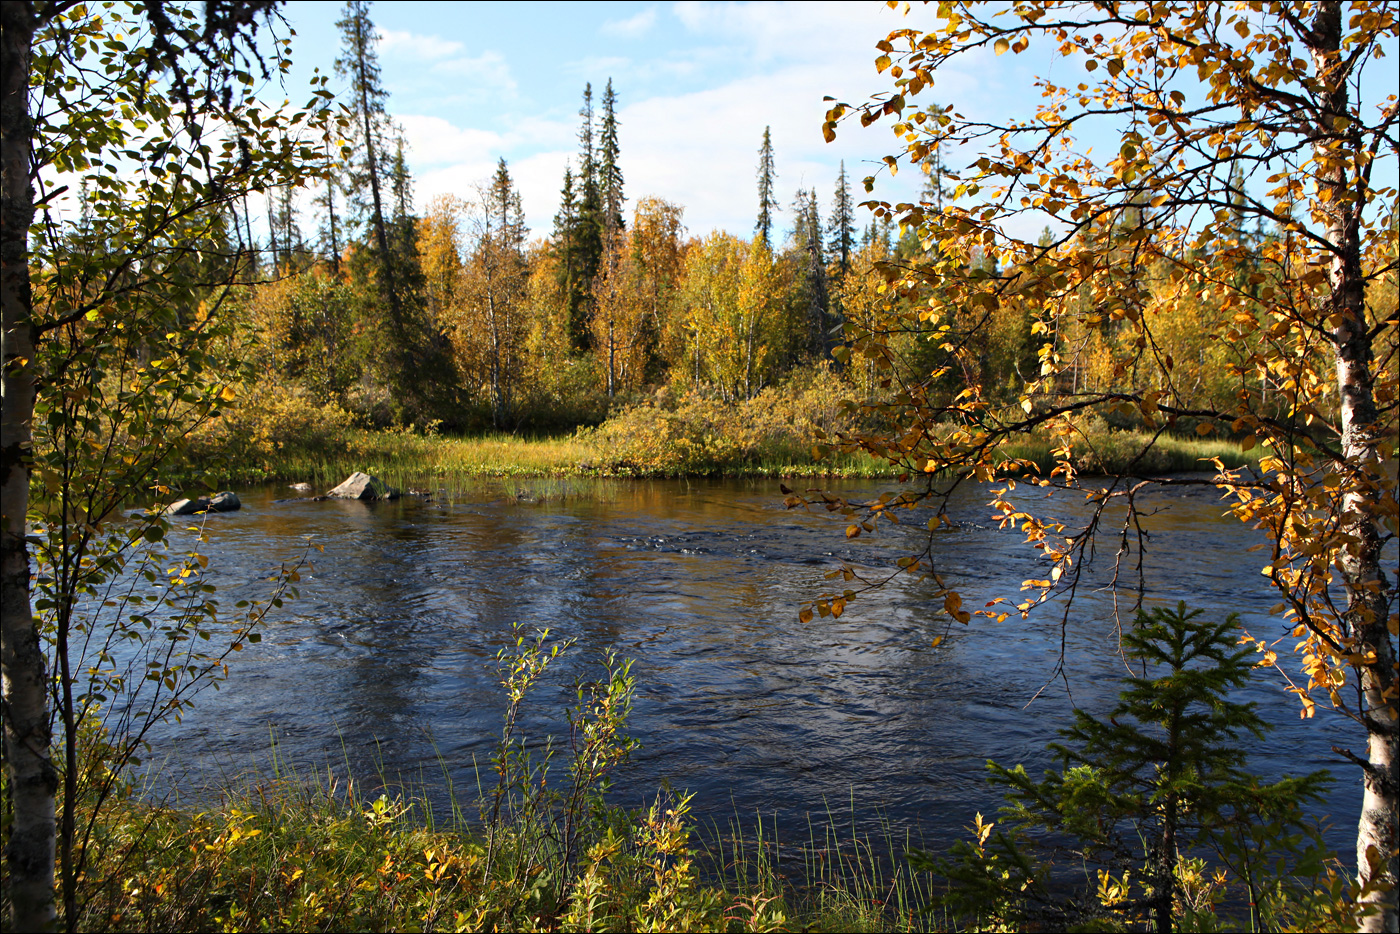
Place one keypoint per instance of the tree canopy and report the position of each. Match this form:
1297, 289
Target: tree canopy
1224, 117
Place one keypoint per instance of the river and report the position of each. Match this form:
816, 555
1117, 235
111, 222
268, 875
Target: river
385, 663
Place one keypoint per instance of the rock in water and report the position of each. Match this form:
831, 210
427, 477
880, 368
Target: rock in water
185, 507
303, 487
227, 501
362, 486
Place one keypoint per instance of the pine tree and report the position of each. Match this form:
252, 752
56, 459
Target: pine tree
586, 239
359, 62
807, 238
840, 227
1158, 780
609, 171
767, 203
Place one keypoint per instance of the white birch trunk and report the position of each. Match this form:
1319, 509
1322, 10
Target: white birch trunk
33, 780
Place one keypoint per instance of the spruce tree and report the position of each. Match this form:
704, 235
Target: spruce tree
359, 62
841, 225
1159, 780
767, 202
330, 233
562, 244
609, 170
586, 240
274, 242
807, 237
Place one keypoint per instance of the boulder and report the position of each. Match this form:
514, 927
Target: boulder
185, 507
227, 501
362, 486
302, 487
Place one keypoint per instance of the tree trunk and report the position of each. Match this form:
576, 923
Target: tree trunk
381, 236
33, 779
335, 239
1367, 609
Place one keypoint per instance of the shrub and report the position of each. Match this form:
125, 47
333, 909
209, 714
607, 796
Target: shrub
1154, 806
672, 435
271, 421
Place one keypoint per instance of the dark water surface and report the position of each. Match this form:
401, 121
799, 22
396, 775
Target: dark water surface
387, 659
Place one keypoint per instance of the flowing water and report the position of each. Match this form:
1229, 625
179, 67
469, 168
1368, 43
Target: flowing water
386, 661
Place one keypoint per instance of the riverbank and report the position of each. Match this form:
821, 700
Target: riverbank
785, 431
322, 854
652, 443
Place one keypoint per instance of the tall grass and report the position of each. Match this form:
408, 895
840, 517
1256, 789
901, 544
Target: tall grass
289, 851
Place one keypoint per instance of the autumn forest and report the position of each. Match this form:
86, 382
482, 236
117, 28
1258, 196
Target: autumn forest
563, 578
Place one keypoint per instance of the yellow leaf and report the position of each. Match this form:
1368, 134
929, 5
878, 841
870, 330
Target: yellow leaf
1002, 45
227, 394
935, 642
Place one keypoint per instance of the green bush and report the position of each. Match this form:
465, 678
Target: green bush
1153, 808
691, 434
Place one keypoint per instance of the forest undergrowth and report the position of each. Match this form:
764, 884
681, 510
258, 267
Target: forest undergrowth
279, 433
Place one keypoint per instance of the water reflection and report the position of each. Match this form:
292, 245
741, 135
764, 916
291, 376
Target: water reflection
386, 660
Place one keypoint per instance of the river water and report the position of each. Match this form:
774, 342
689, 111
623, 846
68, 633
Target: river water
385, 663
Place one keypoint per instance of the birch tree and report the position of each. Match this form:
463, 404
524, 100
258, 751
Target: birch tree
105, 337
1198, 97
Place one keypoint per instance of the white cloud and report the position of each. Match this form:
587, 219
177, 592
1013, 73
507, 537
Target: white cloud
488, 73
700, 149
414, 46
634, 27
432, 141
793, 30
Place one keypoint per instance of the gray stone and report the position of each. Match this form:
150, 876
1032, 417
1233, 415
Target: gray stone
227, 501
364, 487
303, 487
185, 507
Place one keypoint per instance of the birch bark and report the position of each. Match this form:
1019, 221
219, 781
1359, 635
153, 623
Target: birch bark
33, 779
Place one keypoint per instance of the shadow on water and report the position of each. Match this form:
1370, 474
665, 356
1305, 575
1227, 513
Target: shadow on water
387, 658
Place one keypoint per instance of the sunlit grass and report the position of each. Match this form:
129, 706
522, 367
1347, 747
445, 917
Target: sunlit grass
408, 459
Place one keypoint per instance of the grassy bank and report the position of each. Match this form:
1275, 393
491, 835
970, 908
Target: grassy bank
772, 435
541, 847
292, 854
407, 459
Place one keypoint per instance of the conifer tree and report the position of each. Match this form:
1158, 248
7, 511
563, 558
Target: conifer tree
274, 242
609, 170
1159, 780
496, 283
935, 191
359, 62
841, 225
586, 237
330, 234
807, 238
564, 249
767, 203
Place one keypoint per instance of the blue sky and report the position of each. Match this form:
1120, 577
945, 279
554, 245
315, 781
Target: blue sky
697, 83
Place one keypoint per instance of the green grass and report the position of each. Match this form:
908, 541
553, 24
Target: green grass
314, 852
408, 460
